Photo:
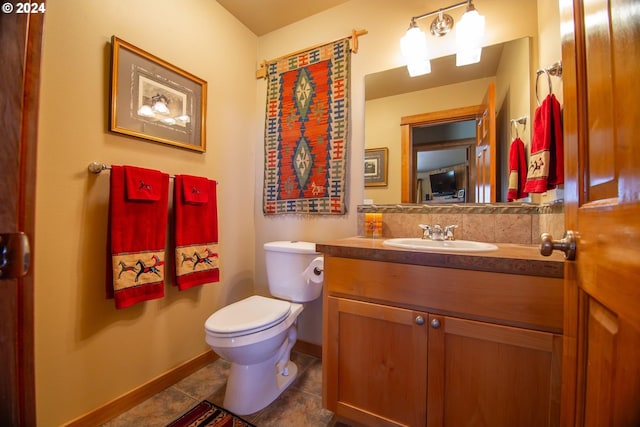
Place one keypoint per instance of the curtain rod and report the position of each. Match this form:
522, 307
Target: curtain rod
261, 73
97, 168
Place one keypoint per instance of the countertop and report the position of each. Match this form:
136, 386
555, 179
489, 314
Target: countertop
508, 258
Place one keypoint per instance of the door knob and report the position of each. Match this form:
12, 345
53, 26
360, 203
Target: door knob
419, 320
567, 244
14, 255
435, 323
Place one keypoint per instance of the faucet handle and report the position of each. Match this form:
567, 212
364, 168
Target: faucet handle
448, 232
426, 230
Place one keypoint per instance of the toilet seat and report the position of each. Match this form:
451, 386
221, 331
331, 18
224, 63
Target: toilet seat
248, 316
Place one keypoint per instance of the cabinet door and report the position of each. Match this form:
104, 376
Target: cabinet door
482, 374
376, 365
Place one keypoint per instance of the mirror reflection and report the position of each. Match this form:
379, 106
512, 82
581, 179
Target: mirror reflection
443, 118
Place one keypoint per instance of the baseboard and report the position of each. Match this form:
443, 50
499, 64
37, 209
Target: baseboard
138, 395
309, 348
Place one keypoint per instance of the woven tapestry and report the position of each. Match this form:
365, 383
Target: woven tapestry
306, 132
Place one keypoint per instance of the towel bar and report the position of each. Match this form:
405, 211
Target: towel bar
96, 168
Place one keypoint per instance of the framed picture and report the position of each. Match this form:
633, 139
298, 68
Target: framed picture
375, 167
155, 100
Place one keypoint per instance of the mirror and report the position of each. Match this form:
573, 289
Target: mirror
392, 96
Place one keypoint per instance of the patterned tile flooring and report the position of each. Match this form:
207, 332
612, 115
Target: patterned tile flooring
298, 406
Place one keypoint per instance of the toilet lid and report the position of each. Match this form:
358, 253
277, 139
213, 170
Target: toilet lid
255, 312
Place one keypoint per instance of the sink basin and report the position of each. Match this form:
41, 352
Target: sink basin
419, 244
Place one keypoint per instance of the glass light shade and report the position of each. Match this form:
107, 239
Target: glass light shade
414, 50
469, 34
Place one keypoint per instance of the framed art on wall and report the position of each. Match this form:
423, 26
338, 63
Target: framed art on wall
155, 100
375, 167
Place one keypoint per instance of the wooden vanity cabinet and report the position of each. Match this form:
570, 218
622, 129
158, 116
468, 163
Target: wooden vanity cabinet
408, 345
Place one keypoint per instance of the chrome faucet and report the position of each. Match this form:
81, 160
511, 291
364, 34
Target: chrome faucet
448, 232
436, 232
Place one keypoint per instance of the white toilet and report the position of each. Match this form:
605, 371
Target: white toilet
256, 334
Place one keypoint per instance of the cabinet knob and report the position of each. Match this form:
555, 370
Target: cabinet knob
419, 320
435, 323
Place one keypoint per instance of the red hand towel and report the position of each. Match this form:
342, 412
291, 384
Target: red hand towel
196, 231
138, 204
546, 164
517, 171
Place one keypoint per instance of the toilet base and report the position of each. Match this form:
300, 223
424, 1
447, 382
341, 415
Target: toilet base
251, 388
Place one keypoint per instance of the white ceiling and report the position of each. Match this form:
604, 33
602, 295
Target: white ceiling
264, 16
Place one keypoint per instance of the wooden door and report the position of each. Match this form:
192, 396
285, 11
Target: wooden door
376, 363
481, 374
20, 40
486, 150
601, 365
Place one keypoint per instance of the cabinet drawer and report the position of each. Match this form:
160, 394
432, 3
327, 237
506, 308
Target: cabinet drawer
517, 300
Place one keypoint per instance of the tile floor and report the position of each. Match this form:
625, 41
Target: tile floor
298, 406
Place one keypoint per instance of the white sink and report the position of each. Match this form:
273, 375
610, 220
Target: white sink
419, 244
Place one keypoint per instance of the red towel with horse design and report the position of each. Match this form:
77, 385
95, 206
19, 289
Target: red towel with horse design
546, 163
517, 171
196, 231
138, 206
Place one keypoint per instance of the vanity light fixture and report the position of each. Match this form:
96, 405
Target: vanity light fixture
469, 34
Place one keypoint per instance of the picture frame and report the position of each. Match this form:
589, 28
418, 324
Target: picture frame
376, 167
155, 100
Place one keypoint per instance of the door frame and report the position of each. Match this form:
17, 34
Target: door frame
20, 54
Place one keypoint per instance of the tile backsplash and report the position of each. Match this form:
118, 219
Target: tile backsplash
519, 223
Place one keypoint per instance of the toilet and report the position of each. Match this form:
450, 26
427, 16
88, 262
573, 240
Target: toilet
257, 333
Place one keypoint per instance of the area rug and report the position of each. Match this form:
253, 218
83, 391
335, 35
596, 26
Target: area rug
306, 132
206, 414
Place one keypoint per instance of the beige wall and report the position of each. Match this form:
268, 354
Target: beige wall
87, 352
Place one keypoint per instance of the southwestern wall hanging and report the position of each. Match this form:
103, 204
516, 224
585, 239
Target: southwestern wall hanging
306, 131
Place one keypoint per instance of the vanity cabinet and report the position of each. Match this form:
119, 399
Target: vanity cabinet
414, 345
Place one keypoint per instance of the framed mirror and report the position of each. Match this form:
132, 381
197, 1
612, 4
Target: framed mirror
408, 115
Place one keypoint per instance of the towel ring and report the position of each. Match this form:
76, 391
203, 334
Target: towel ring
538, 73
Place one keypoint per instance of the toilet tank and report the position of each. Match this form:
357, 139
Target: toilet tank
290, 273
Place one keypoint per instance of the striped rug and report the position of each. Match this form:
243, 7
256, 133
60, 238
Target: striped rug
206, 414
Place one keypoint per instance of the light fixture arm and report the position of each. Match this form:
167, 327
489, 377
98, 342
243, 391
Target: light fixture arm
444, 9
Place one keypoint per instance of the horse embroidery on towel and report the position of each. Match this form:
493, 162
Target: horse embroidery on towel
197, 259
140, 268
143, 186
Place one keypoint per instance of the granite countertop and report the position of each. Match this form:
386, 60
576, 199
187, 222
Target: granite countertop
509, 258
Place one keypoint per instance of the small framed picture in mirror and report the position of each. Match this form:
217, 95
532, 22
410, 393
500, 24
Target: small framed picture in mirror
375, 167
